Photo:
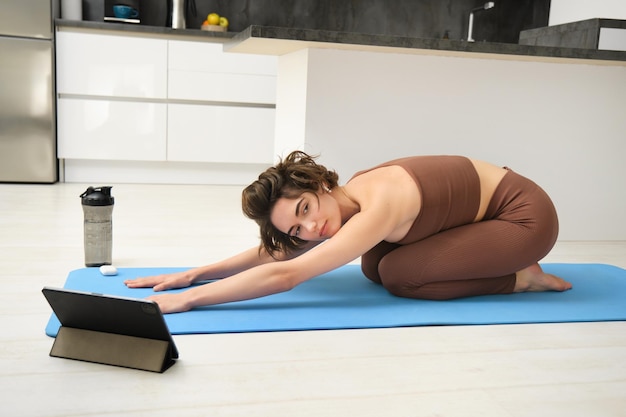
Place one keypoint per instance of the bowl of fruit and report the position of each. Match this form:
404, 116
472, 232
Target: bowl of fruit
215, 23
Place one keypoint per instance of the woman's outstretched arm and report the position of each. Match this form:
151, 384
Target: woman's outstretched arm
358, 235
245, 260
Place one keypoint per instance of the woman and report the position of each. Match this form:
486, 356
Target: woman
432, 227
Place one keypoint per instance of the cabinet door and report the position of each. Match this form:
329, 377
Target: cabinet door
220, 134
110, 65
111, 130
201, 71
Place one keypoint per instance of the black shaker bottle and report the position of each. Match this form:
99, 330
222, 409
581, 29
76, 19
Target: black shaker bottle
98, 209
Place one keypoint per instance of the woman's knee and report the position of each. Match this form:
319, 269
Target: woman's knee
370, 261
395, 281
370, 270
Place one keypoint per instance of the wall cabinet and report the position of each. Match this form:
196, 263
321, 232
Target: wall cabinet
133, 98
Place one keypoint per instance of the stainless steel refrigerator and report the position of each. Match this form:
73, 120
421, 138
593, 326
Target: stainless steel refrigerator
27, 105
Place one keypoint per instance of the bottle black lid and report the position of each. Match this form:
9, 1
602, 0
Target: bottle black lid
97, 196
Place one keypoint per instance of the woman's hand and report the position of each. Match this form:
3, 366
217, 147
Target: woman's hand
162, 282
171, 303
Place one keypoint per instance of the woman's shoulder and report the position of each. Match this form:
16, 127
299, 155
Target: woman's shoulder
390, 195
383, 183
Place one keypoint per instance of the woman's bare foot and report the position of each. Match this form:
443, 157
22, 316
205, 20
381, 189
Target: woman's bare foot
534, 279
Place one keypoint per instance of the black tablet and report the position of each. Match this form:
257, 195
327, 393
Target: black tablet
110, 329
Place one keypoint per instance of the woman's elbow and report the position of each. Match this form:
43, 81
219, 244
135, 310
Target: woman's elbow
286, 281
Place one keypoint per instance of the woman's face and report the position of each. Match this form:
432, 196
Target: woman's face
311, 216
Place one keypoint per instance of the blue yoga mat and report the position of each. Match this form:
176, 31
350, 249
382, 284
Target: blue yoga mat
345, 299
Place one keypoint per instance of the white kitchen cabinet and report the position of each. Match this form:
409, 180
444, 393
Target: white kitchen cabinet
132, 72
221, 87
202, 71
109, 65
111, 130
220, 134
227, 109
139, 107
204, 56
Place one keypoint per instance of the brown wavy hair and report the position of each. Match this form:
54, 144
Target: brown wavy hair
296, 174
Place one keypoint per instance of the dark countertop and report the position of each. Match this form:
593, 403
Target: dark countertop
252, 39
279, 40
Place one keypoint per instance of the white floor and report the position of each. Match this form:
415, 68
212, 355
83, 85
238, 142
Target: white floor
575, 369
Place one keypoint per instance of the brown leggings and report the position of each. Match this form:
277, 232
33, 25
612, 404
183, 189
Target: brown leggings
519, 228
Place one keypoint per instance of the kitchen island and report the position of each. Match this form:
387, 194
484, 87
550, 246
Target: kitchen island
554, 114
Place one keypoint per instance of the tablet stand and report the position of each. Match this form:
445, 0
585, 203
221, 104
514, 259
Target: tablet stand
113, 349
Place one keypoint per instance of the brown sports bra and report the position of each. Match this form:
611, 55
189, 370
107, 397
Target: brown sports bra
450, 191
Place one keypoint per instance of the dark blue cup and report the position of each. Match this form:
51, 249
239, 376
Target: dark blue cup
122, 11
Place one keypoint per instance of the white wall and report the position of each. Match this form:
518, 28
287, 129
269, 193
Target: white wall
563, 125
612, 39
566, 11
